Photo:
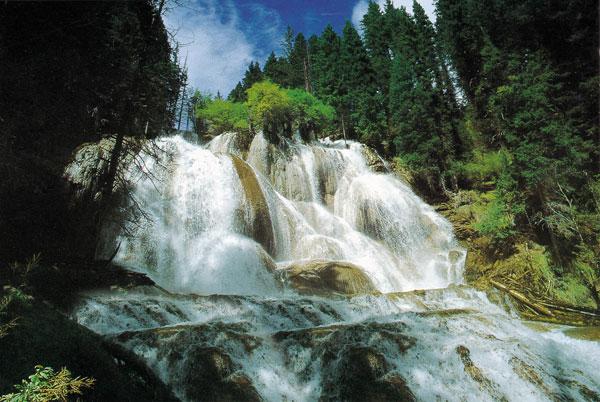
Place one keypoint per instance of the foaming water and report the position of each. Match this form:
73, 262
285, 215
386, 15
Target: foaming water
220, 232
448, 344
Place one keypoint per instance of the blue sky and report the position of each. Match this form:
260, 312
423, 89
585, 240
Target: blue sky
220, 37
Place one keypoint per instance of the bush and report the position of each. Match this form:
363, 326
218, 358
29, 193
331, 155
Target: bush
529, 264
572, 291
309, 113
484, 166
278, 111
494, 218
270, 108
222, 116
402, 170
47, 385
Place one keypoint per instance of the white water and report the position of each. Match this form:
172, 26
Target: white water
219, 226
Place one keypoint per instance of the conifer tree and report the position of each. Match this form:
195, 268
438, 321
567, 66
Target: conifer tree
298, 63
377, 42
358, 88
253, 75
326, 66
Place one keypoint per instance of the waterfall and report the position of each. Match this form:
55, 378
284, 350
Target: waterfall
296, 272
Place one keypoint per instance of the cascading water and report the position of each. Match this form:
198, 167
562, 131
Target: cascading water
287, 275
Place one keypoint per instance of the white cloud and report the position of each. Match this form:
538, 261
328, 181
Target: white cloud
218, 44
361, 7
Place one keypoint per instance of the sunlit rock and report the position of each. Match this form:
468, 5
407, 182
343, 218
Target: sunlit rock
325, 277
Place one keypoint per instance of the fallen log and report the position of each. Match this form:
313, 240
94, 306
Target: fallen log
523, 299
569, 309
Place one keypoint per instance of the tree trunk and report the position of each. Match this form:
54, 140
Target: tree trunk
307, 86
553, 241
106, 190
344, 130
595, 294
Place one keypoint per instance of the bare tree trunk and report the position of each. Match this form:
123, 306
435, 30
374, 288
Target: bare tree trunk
554, 242
344, 130
306, 76
106, 190
594, 292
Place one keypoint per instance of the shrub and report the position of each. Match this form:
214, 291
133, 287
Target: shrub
270, 108
484, 166
308, 112
47, 385
222, 115
494, 218
402, 170
572, 291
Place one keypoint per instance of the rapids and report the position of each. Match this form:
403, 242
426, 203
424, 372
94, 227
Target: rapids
298, 273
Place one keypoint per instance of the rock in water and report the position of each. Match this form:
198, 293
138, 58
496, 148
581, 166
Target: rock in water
364, 375
374, 161
260, 227
211, 376
321, 277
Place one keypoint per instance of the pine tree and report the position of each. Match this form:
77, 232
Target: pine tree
237, 93
358, 89
377, 42
253, 75
326, 65
298, 63
271, 70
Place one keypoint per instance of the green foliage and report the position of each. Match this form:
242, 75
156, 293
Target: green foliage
403, 170
6, 325
222, 115
278, 111
253, 75
494, 219
483, 166
270, 108
276, 69
572, 290
47, 385
424, 113
308, 113
18, 274
531, 264
542, 141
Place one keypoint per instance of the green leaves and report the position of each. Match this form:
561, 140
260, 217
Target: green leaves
277, 111
223, 115
47, 385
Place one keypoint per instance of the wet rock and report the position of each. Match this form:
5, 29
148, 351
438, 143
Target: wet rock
201, 362
259, 225
374, 161
363, 374
529, 373
210, 375
229, 143
477, 375
322, 277
91, 159
454, 256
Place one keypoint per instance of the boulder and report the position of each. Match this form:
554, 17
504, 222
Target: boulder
323, 277
374, 161
211, 376
365, 375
